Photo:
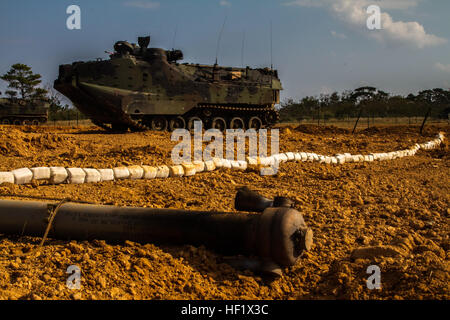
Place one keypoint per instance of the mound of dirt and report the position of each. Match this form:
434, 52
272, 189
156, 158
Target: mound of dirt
392, 214
15, 142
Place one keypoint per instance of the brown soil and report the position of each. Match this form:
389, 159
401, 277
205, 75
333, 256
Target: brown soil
396, 214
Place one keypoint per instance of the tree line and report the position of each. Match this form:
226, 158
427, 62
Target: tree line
367, 102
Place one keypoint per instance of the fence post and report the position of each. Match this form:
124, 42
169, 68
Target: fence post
356, 123
425, 119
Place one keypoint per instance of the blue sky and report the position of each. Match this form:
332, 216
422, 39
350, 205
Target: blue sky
319, 46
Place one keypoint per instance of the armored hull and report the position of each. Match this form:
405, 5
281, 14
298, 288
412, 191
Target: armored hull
20, 112
142, 88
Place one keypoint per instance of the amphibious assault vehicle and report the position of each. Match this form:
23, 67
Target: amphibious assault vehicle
141, 88
18, 112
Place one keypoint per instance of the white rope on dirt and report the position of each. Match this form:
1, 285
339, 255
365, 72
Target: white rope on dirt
58, 175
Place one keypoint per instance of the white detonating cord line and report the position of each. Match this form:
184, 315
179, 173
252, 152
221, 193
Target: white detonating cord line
58, 175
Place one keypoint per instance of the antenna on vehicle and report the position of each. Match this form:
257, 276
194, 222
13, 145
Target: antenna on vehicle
242, 49
174, 36
220, 36
271, 56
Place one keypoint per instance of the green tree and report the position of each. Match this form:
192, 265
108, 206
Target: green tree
21, 80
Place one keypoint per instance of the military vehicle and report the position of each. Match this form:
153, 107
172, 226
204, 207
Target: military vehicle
141, 88
18, 112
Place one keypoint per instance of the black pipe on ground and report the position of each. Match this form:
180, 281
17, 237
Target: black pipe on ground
277, 236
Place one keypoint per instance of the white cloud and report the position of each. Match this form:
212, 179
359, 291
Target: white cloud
353, 12
225, 3
442, 67
395, 4
338, 35
409, 32
142, 4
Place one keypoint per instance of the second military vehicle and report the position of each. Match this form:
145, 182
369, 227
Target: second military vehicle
141, 88
23, 112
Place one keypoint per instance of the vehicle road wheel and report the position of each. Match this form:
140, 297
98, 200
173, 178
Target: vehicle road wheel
271, 117
26, 122
191, 121
35, 122
159, 123
237, 123
5, 121
17, 122
255, 123
219, 124
177, 123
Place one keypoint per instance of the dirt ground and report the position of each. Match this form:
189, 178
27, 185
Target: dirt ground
400, 207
